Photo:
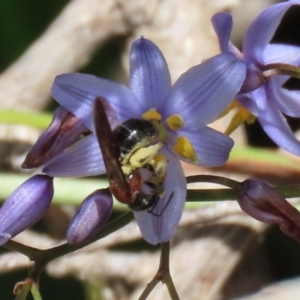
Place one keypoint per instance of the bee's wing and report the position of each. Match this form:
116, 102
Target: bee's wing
118, 183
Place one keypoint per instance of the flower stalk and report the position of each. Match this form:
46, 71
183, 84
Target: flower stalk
274, 69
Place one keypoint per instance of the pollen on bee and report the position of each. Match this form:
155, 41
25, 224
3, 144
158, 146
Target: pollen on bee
141, 157
159, 165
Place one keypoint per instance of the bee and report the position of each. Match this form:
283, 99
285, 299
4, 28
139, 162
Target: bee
135, 170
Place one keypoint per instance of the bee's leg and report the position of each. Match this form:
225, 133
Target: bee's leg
151, 210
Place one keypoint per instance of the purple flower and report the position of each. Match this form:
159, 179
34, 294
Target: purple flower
264, 96
196, 99
265, 204
93, 213
25, 206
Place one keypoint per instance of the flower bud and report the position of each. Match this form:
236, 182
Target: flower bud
64, 130
92, 214
25, 206
265, 204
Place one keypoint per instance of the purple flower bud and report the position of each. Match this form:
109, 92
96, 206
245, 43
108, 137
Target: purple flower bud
265, 204
93, 213
64, 130
25, 206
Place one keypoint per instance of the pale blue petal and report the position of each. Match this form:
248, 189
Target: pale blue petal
281, 53
275, 125
76, 92
204, 91
248, 102
288, 101
149, 74
157, 229
212, 147
262, 30
83, 158
222, 23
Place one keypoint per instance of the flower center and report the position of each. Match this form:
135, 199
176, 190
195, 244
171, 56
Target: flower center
183, 147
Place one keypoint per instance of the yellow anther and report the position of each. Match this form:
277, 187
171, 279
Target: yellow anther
151, 114
184, 148
175, 122
241, 116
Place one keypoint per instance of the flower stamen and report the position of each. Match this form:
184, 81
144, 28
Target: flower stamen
175, 122
241, 116
151, 115
184, 148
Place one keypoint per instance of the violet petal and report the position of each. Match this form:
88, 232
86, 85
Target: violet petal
77, 92
288, 101
222, 23
149, 74
282, 53
262, 30
212, 147
83, 158
157, 229
274, 123
204, 91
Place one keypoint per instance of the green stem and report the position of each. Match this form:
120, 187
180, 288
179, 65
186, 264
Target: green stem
26, 250
35, 292
288, 191
163, 275
165, 270
210, 195
149, 288
42, 257
45, 256
235, 185
281, 69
